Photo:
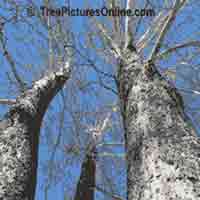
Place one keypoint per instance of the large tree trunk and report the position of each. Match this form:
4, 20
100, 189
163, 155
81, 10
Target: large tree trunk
86, 185
162, 148
19, 137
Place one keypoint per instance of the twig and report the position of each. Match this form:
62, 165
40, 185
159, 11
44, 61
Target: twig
189, 90
116, 197
21, 83
110, 144
113, 45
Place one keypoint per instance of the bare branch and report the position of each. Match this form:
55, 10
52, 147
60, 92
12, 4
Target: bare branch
128, 25
172, 15
113, 196
194, 43
116, 20
7, 101
93, 65
189, 91
98, 130
110, 144
7, 55
21, 83
151, 31
114, 47
112, 155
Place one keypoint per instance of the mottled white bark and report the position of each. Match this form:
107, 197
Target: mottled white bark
163, 151
19, 137
129, 22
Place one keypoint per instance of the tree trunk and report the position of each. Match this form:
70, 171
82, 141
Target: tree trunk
162, 148
19, 137
86, 185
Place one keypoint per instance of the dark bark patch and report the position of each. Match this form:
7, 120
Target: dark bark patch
157, 190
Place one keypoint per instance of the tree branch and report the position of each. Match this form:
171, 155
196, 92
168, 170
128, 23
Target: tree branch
114, 47
113, 196
151, 32
128, 25
194, 43
7, 101
20, 82
28, 111
172, 15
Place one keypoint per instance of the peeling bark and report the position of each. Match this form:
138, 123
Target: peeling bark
162, 148
19, 137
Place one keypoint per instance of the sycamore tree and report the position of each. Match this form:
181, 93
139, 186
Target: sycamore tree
30, 81
162, 147
131, 75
